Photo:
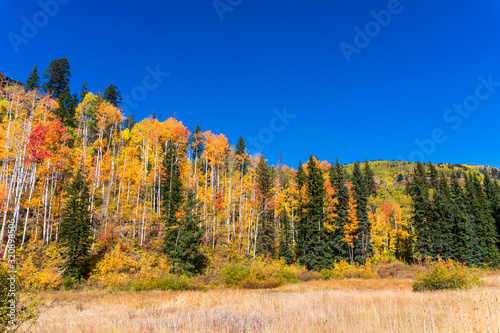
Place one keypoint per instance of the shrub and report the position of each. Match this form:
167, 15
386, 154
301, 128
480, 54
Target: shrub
167, 282
13, 297
309, 275
342, 270
447, 274
234, 274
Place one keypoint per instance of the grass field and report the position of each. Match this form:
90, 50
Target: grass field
380, 305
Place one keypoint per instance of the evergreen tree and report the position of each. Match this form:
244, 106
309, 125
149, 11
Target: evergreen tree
112, 95
285, 249
75, 231
129, 122
418, 189
265, 235
301, 180
443, 220
492, 191
57, 77
172, 198
485, 223
241, 153
67, 107
369, 180
316, 256
33, 81
338, 248
84, 90
362, 245
433, 175
186, 255
465, 241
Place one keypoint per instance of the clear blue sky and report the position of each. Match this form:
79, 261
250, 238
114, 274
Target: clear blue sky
228, 75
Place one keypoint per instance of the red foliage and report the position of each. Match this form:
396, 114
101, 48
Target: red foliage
36, 141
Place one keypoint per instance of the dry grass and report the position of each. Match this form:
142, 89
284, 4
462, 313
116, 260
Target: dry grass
386, 305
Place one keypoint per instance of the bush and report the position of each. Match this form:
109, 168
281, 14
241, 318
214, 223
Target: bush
342, 270
447, 274
309, 275
168, 282
234, 274
26, 307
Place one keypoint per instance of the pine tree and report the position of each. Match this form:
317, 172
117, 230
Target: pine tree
75, 231
57, 75
492, 191
433, 175
418, 189
129, 122
186, 256
285, 249
362, 245
241, 153
33, 81
369, 180
485, 223
84, 90
67, 107
465, 241
301, 180
265, 236
315, 256
112, 95
171, 200
338, 248
443, 220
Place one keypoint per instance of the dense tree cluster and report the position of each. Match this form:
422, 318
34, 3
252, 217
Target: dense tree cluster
75, 170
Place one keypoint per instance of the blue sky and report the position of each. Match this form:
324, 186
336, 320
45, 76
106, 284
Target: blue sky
234, 68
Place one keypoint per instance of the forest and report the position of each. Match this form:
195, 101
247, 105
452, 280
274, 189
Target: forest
92, 194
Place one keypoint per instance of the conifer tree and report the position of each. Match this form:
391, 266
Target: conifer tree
75, 231
57, 77
492, 191
265, 236
33, 81
241, 153
369, 180
129, 121
84, 90
112, 95
301, 180
362, 244
171, 200
285, 246
418, 189
485, 223
67, 107
465, 241
316, 256
186, 255
433, 175
338, 248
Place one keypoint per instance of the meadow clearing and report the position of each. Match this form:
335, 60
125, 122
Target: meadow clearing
353, 305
